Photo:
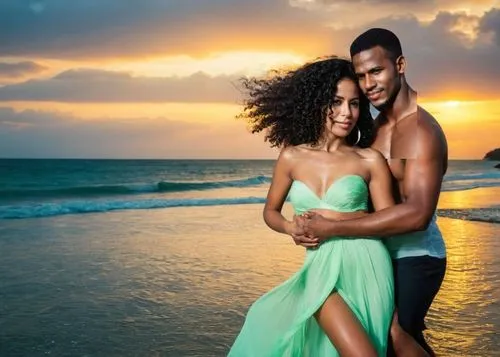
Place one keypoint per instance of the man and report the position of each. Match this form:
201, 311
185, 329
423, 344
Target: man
416, 149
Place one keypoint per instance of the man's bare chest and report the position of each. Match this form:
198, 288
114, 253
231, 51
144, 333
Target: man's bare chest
396, 148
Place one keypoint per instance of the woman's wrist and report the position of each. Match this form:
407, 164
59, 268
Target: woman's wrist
288, 227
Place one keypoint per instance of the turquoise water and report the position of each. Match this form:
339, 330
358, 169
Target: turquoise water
42, 188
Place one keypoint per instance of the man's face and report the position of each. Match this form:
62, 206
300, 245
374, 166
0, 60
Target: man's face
377, 75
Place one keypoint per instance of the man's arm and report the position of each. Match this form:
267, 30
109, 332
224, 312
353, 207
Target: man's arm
422, 185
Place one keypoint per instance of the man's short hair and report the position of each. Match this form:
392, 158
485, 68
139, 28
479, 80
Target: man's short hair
377, 37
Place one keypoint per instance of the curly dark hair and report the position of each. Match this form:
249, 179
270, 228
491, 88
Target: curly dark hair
292, 106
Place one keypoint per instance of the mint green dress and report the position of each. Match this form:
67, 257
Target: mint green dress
281, 323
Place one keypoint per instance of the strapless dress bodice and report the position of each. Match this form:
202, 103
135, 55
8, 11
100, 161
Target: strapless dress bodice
346, 194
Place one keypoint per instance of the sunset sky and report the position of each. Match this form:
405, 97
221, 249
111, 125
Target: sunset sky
157, 78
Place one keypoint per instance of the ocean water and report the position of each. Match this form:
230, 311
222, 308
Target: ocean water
42, 188
163, 258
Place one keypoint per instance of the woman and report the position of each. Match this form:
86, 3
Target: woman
341, 301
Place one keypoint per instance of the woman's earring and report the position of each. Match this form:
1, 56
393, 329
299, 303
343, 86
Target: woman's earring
359, 136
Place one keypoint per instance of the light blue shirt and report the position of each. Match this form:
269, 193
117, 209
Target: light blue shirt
429, 242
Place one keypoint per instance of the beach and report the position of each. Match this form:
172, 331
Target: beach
139, 140
178, 281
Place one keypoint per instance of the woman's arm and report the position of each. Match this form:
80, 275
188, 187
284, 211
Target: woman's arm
276, 196
278, 191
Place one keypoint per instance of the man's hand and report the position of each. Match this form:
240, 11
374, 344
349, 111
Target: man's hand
296, 230
315, 225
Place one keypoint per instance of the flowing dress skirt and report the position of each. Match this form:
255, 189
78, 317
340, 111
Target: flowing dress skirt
281, 323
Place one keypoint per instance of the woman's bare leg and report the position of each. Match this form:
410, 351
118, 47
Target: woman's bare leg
343, 328
403, 343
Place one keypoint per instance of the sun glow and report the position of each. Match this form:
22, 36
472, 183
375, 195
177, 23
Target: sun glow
468, 125
452, 103
226, 63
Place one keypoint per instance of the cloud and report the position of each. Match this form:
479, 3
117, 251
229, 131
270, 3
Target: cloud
346, 14
443, 61
12, 72
490, 23
111, 29
19, 69
454, 57
97, 86
371, 2
409, 6
37, 7
43, 134
451, 54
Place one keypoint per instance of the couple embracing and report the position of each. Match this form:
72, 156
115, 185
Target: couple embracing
364, 193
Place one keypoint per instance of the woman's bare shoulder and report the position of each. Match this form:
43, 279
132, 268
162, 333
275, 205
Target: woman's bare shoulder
292, 153
369, 153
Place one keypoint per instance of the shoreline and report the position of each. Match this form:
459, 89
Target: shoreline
479, 204
486, 215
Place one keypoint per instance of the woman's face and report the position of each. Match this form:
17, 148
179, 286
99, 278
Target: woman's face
344, 112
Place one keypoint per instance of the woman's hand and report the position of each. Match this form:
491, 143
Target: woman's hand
295, 229
320, 223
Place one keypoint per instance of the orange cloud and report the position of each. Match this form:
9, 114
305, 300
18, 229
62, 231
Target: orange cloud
48, 134
89, 85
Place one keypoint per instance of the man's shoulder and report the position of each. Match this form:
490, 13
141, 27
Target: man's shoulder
424, 115
430, 136
427, 123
